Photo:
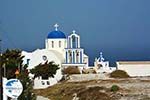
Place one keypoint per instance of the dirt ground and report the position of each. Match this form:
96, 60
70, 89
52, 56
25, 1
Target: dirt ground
129, 89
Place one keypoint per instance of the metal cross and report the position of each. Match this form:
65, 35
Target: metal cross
56, 26
74, 32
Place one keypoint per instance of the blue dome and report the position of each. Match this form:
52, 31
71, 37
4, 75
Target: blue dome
56, 34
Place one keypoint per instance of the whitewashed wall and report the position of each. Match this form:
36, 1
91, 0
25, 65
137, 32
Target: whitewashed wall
36, 57
40, 83
87, 77
86, 60
139, 69
48, 44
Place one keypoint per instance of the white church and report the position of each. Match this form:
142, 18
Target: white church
102, 66
63, 50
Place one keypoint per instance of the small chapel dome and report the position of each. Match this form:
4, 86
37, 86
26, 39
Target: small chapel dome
56, 34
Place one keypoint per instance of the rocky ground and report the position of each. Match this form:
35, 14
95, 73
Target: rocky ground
129, 89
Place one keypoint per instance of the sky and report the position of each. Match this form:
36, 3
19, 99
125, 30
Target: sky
118, 28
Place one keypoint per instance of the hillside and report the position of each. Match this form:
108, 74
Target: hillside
129, 89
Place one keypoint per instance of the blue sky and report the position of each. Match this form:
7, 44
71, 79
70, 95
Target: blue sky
118, 28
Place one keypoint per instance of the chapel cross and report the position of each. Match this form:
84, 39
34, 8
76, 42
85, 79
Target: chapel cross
74, 32
56, 26
101, 57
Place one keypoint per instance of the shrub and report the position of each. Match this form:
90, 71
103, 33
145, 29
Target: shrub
71, 70
87, 71
119, 74
114, 88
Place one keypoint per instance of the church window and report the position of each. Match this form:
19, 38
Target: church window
44, 58
73, 38
48, 83
73, 41
43, 83
99, 66
77, 56
69, 43
70, 56
59, 44
52, 44
28, 60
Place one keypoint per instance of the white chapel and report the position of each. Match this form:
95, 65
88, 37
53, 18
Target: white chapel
102, 66
63, 49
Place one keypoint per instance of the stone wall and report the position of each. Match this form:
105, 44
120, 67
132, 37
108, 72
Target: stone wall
87, 77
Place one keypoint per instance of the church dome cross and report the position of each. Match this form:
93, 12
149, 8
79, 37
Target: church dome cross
56, 27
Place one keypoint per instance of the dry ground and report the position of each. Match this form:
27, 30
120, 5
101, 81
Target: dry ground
130, 89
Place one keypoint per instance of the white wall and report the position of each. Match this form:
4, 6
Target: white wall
86, 60
135, 69
40, 83
86, 77
104, 68
48, 44
36, 57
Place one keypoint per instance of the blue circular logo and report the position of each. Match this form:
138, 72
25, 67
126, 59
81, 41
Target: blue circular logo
13, 88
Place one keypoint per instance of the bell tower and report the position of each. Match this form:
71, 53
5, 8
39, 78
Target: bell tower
74, 54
